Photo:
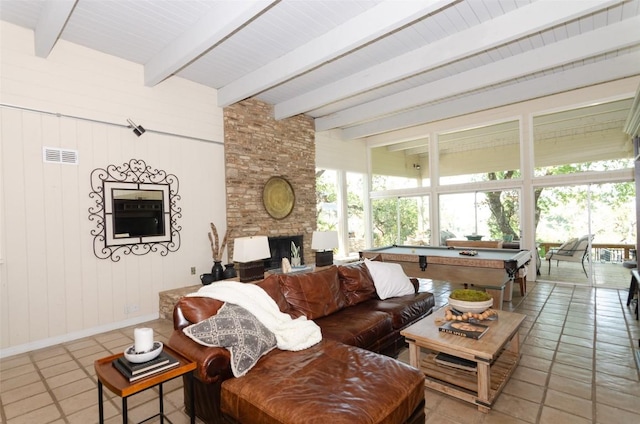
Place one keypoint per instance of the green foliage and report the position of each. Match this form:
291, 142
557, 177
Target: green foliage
385, 220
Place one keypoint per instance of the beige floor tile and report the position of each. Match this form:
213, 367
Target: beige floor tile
534, 362
23, 392
524, 390
496, 417
572, 372
606, 414
19, 381
530, 375
579, 332
617, 370
573, 387
78, 402
66, 378
555, 416
572, 404
45, 415
18, 371
458, 410
53, 360
14, 362
516, 408
92, 351
586, 343
43, 354
573, 349
537, 352
27, 405
577, 361
619, 398
58, 369
71, 389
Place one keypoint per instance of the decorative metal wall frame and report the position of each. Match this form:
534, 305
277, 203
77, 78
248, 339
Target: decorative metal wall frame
135, 174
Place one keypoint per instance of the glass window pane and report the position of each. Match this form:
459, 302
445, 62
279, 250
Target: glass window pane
480, 154
327, 200
416, 227
492, 215
584, 139
355, 213
402, 220
400, 165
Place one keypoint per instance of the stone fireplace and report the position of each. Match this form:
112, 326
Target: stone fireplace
258, 147
280, 247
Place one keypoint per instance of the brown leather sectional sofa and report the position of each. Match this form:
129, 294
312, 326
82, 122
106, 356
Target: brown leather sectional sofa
350, 376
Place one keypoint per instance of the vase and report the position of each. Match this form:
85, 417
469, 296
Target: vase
217, 270
206, 279
229, 271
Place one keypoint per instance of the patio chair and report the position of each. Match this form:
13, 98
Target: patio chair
573, 250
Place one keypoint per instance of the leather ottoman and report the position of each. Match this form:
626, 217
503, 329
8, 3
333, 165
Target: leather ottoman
328, 383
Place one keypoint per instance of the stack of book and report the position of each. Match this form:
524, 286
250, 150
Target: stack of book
455, 362
136, 371
464, 329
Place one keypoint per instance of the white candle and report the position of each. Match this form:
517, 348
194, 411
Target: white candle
143, 339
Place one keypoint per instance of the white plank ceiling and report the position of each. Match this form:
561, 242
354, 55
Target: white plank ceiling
364, 67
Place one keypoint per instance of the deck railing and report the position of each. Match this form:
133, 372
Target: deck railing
600, 252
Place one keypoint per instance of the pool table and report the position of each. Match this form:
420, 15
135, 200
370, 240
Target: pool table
491, 269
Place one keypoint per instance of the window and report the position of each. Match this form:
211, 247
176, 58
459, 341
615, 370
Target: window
480, 154
583, 139
494, 215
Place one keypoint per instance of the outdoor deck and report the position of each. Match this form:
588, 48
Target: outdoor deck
605, 274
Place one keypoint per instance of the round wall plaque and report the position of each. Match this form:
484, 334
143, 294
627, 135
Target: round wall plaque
278, 197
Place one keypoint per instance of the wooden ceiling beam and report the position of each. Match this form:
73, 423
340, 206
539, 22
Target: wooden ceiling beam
591, 74
589, 45
51, 22
374, 23
210, 30
511, 26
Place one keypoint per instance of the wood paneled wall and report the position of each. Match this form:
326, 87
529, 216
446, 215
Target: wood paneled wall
52, 287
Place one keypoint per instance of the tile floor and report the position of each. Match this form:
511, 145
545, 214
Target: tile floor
578, 366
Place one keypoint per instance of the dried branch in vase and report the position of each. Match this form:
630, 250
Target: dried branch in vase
224, 243
217, 250
214, 240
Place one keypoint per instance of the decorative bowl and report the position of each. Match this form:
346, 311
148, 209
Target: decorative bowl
467, 306
131, 355
474, 237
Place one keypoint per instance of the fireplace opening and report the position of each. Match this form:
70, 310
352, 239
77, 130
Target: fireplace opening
280, 247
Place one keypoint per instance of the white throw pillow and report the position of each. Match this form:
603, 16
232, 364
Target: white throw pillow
389, 279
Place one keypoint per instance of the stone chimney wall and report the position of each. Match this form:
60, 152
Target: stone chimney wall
258, 147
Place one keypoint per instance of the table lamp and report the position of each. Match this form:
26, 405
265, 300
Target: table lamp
323, 242
250, 253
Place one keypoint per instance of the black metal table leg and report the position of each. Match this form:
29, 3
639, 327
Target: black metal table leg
100, 405
161, 404
125, 418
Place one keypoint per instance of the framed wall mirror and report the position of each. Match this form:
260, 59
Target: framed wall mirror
136, 211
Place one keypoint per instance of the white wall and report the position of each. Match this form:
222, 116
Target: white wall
334, 153
52, 287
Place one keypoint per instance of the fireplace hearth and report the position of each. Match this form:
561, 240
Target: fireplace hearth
280, 247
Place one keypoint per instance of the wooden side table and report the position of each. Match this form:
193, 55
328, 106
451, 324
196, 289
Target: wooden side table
110, 377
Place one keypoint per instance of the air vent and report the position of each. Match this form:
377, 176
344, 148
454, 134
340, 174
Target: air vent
65, 156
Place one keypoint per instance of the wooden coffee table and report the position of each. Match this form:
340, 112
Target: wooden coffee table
496, 355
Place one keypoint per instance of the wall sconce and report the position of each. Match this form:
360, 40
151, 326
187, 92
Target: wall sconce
323, 242
416, 166
137, 129
250, 253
